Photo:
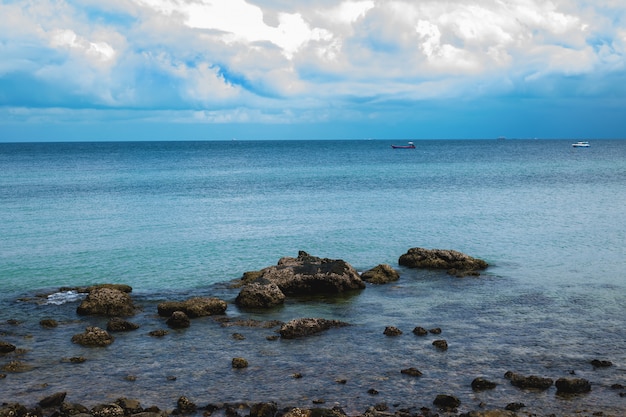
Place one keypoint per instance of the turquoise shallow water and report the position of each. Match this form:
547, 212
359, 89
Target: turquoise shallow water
175, 219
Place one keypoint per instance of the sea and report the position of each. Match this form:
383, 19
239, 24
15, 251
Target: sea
181, 219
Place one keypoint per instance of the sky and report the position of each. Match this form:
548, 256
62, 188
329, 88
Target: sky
311, 69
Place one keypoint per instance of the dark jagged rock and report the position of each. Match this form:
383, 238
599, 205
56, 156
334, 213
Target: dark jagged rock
178, 320
440, 344
54, 400
267, 409
381, 274
108, 302
13, 410
392, 331
411, 372
239, 363
310, 275
307, 326
420, 331
72, 409
514, 406
572, 385
185, 406
447, 402
436, 330
260, 294
597, 363
93, 337
6, 347
525, 382
158, 333
117, 324
482, 384
453, 261
193, 307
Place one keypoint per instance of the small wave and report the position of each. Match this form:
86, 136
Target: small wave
63, 297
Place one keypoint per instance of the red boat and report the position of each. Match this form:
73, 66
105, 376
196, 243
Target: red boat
409, 146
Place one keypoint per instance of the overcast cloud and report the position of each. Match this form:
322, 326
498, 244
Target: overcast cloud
279, 62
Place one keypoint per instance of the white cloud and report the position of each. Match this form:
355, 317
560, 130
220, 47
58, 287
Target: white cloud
268, 55
101, 51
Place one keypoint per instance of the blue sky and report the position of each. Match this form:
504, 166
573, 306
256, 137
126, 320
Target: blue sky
325, 69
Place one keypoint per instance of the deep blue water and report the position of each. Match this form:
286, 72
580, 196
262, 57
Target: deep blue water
175, 219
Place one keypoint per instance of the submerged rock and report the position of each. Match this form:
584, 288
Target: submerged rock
455, 262
392, 331
381, 274
117, 324
109, 302
193, 307
307, 326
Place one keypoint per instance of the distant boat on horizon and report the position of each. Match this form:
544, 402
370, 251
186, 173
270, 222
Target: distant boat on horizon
581, 144
410, 145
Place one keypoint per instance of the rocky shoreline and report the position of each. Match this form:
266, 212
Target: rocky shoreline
266, 289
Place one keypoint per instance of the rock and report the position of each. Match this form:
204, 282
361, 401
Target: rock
436, 330
307, 326
48, 323
447, 402
13, 410
158, 333
420, 331
6, 347
450, 260
193, 307
239, 363
107, 302
119, 287
533, 382
107, 410
268, 409
381, 274
178, 320
572, 385
16, 366
411, 372
71, 409
492, 413
309, 275
514, 406
481, 384
597, 363
392, 331
93, 337
260, 295
54, 400
130, 406
117, 324
441, 344
185, 406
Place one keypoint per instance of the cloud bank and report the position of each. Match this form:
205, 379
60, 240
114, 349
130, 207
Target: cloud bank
289, 62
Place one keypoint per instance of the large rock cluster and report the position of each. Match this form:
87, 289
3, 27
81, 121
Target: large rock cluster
304, 275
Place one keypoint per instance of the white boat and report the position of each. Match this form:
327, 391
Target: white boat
580, 145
